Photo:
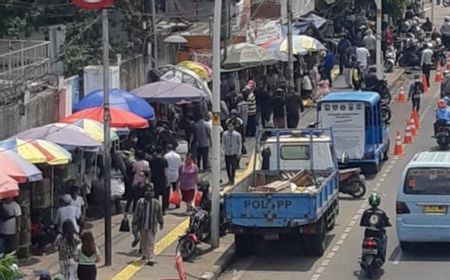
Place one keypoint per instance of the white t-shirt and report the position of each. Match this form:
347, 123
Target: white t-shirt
362, 55
174, 162
8, 227
65, 213
78, 202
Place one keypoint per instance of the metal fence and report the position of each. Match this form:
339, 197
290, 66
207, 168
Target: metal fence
22, 62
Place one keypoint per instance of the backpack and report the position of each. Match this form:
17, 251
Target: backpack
4, 215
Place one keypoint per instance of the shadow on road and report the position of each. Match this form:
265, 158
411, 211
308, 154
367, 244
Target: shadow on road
423, 252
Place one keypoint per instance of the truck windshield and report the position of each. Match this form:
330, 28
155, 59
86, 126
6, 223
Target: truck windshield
431, 181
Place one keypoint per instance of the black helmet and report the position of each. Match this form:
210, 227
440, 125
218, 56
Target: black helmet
203, 185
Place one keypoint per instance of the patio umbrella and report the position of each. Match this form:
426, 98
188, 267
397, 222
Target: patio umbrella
274, 47
8, 186
246, 54
119, 117
200, 69
18, 168
94, 129
180, 74
175, 39
118, 99
301, 44
67, 135
37, 151
170, 92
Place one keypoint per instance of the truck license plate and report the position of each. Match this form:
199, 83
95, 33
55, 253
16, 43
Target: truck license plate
435, 209
370, 251
271, 236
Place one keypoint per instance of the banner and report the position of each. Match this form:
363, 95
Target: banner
348, 122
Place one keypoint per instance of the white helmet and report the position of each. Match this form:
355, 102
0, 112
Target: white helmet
438, 41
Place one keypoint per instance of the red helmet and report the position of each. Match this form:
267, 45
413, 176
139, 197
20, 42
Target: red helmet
442, 104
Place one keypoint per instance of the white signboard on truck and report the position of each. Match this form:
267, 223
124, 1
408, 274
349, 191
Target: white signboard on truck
348, 122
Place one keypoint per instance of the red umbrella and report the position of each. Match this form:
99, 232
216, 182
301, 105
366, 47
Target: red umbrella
8, 186
119, 117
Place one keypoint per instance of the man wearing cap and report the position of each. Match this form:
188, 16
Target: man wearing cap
67, 212
147, 216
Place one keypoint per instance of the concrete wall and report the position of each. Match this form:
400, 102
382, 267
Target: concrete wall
39, 110
133, 73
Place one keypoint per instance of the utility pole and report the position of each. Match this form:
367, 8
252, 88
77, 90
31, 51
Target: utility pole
433, 3
378, 44
290, 55
107, 140
215, 163
155, 35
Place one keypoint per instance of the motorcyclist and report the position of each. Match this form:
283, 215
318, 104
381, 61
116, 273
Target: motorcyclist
375, 221
442, 115
445, 85
370, 79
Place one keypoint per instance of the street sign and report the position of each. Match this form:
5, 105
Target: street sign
93, 4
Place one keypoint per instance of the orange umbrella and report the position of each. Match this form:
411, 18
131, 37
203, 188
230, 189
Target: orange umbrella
119, 117
8, 186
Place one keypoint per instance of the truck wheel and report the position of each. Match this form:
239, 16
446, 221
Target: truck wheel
316, 243
242, 244
386, 152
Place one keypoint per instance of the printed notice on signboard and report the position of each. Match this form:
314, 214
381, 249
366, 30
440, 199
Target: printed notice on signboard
347, 121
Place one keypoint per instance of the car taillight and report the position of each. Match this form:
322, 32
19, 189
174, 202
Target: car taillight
370, 244
401, 208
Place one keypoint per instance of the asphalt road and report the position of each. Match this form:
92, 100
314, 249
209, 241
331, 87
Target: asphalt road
341, 260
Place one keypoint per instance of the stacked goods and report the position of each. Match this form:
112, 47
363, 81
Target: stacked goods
291, 182
275, 186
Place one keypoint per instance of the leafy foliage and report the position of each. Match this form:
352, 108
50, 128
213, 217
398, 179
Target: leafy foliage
8, 268
394, 8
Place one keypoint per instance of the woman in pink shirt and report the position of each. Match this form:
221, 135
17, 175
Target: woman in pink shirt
188, 177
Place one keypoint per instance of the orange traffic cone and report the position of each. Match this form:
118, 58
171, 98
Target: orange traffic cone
416, 118
412, 126
408, 139
398, 149
401, 95
425, 83
438, 77
448, 61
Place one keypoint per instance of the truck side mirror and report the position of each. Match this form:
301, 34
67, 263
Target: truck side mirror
344, 158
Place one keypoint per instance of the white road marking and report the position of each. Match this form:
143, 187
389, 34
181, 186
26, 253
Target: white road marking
320, 270
351, 223
315, 277
344, 236
325, 263
377, 184
384, 175
331, 255
381, 180
356, 217
340, 241
360, 210
348, 229
336, 248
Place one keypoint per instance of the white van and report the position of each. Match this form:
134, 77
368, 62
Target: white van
423, 200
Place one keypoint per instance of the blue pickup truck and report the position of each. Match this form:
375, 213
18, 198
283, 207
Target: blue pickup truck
292, 192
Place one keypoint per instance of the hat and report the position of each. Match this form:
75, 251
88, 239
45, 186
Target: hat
45, 275
66, 198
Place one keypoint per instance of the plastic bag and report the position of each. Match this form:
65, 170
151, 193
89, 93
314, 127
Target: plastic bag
175, 198
125, 225
198, 198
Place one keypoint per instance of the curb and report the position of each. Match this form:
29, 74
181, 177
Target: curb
217, 269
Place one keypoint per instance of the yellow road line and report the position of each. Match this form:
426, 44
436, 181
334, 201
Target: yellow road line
131, 269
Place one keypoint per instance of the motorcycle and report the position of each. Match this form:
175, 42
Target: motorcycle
199, 225
442, 134
391, 57
386, 112
439, 56
352, 182
383, 90
371, 260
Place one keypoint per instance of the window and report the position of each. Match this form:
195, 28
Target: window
295, 152
431, 181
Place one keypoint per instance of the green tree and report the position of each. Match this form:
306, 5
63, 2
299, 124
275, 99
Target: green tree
394, 8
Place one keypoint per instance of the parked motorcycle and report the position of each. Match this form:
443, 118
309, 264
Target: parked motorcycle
383, 90
352, 182
387, 112
391, 58
442, 135
199, 225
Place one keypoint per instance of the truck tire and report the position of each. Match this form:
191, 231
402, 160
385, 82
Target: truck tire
242, 244
315, 244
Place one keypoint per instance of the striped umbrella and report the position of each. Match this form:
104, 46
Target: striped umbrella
94, 129
18, 168
37, 151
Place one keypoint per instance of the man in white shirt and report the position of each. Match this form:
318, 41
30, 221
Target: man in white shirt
362, 56
370, 44
174, 162
77, 200
10, 223
426, 62
67, 212
232, 146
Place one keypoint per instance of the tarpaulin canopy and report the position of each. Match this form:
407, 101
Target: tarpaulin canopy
302, 24
169, 92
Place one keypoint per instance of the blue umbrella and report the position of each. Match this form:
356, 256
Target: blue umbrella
118, 99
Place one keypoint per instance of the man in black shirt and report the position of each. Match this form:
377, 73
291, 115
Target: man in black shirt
158, 166
278, 109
